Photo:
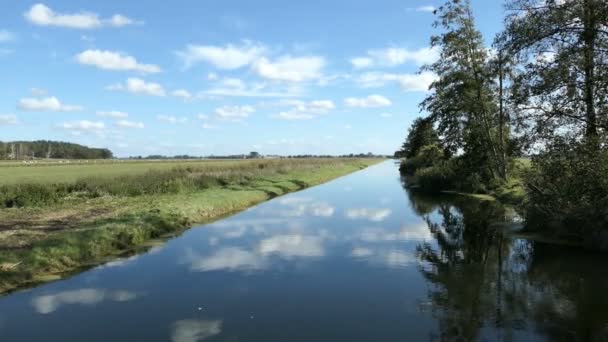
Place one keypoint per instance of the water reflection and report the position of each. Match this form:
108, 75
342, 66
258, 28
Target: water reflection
484, 284
49, 303
193, 330
371, 214
380, 264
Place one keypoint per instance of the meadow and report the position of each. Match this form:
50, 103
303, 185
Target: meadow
53, 171
75, 216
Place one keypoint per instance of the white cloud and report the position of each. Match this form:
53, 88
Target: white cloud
362, 62
407, 82
182, 93
203, 116
194, 330
171, 119
129, 124
50, 104
40, 14
109, 60
119, 20
429, 9
290, 69
112, 114
83, 126
6, 36
306, 110
371, 214
393, 56
228, 57
8, 119
49, 303
237, 87
234, 112
372, 101
139, 86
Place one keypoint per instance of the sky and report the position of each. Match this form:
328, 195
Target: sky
218, 77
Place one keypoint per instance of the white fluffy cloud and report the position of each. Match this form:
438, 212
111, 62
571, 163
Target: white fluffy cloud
8, 119
394, 56
234, 112
171, 119
40, 14
237, 87
139, 86
48, 104
306, 110
83, 126
129, 124
227, 57
6, 36
110, 60
112, 114
290, 69
182, 94
362, 62
429, 9
372, 101
407, 82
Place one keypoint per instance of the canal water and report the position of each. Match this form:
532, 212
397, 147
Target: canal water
356, 259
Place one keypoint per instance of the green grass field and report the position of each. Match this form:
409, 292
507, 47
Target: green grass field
61, 172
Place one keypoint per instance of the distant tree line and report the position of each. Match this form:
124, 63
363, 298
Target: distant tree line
256, 155
44, 149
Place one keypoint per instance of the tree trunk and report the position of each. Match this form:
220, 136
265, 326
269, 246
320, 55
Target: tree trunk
589, 36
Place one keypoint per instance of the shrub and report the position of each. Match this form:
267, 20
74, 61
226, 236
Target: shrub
568, 188
429, 155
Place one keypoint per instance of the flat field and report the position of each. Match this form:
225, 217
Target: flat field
12, 172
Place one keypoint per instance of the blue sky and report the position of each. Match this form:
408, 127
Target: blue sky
218, 77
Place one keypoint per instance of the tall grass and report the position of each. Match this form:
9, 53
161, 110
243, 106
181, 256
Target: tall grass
180, 179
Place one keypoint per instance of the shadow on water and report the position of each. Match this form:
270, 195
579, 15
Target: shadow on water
485, 284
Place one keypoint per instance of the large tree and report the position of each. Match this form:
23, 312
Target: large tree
561, 88
463, 101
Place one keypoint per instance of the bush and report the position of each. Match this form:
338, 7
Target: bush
429, 155
568, 189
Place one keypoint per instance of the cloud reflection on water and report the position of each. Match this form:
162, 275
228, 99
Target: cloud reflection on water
193, 330
49, 303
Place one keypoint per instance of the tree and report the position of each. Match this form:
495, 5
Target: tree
561, 89
463, 103
420, 134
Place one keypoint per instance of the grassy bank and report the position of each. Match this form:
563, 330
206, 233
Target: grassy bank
50, 228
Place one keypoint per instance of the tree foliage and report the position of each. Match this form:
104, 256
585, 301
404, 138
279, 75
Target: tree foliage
50, 149
561, 85
420, 134
463, 102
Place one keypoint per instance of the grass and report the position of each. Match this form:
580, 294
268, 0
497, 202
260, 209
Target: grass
46, 239
45, 172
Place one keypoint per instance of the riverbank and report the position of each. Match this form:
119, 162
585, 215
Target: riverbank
67, 230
